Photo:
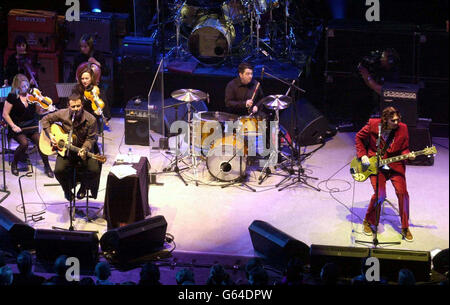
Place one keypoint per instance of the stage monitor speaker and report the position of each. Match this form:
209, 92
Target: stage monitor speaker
419, 138
392, 261
15, 234
135, 240
440, 261
52, 243
311, 127
275, 245
347, 259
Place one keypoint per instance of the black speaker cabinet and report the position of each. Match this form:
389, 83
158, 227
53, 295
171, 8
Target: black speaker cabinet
15, 234
276, 245
419, 138
392, 261
52, 243
440, 261
347, 259
135, 240
311, 126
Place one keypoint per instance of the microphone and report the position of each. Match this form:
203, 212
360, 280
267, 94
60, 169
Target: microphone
262, 73
379, 134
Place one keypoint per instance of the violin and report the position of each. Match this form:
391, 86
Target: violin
97, 102
24, 62
35, 96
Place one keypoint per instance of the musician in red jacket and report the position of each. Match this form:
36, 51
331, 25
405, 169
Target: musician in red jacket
395, 134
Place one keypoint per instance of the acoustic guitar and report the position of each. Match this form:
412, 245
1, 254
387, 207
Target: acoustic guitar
62, 144
361, 172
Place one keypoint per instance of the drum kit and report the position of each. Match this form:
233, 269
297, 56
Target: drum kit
222, 140
213, 29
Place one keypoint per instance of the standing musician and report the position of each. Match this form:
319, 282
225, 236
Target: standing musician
97, 62
239, 92
91, 97
395, 135
22, 119
84, 127
22, 61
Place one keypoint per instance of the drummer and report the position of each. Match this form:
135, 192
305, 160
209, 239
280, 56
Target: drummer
239, 92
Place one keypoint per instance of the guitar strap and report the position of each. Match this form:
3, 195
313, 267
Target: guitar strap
388, 143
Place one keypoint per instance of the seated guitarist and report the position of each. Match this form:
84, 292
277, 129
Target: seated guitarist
395, 135
84, 136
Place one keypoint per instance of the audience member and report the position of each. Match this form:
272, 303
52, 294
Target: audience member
258, 277
149, 275
218, 276
26, 275
293, 274
329, 274
102, 273
60, 269
87, 281
362, 280
406, 278
185, 275
6, 276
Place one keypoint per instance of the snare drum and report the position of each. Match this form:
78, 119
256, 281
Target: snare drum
251, 125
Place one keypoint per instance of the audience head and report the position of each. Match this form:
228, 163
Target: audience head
217, 275
60, 266
150, 273
24, 262
102, 271
294, 270
406, 277
2, 259
184, 275
329, 274
6, 276
252, 264
87, 281
258, 277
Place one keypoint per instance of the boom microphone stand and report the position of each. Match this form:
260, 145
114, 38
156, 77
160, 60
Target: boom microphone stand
377, 202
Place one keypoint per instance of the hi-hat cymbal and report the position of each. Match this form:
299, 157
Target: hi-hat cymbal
275, 102
189, 95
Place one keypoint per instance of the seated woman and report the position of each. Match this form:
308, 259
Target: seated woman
22, 61
22, 120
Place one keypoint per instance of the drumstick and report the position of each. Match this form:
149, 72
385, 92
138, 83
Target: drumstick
253, 96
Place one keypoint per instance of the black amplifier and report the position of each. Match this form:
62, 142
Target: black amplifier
404, 98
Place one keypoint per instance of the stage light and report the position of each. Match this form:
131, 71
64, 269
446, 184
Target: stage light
338, 8
96, 10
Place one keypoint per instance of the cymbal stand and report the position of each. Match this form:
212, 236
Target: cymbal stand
274, 153
178, 48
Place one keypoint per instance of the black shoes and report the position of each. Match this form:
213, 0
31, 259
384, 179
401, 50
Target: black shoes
49, 172
14, 169
81, 192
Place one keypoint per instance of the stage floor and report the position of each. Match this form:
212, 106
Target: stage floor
211, 219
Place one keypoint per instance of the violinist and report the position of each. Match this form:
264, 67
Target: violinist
22, 61
21, 116
91, 97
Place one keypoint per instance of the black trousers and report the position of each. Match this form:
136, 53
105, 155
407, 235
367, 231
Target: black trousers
86, 171
22, 139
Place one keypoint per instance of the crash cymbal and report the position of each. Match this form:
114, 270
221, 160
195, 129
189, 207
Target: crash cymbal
217, 116
189, 95
275, 102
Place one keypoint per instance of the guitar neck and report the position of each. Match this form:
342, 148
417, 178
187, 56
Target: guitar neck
77, 149
400, 158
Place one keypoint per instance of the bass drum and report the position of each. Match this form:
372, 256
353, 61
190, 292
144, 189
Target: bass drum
227, 159
211, 39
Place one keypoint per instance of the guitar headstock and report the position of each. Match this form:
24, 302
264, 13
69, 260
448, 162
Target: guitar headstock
430, 150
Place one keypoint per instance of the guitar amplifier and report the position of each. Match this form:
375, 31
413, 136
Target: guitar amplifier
38, 27
404, 98
136, 123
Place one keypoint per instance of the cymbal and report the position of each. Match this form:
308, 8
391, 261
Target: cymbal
189, 95
217, 116
275, 102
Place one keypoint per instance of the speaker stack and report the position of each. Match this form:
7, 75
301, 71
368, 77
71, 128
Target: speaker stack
15, 234
40, 29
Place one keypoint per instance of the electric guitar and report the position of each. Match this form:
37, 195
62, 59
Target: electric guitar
62, 145
361, 172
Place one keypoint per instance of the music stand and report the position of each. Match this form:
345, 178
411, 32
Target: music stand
64, 89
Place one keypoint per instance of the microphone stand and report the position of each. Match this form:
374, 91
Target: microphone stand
4, 188
375, 241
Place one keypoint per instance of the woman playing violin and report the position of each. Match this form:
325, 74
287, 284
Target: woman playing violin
22, 120
92, 98
22, 61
